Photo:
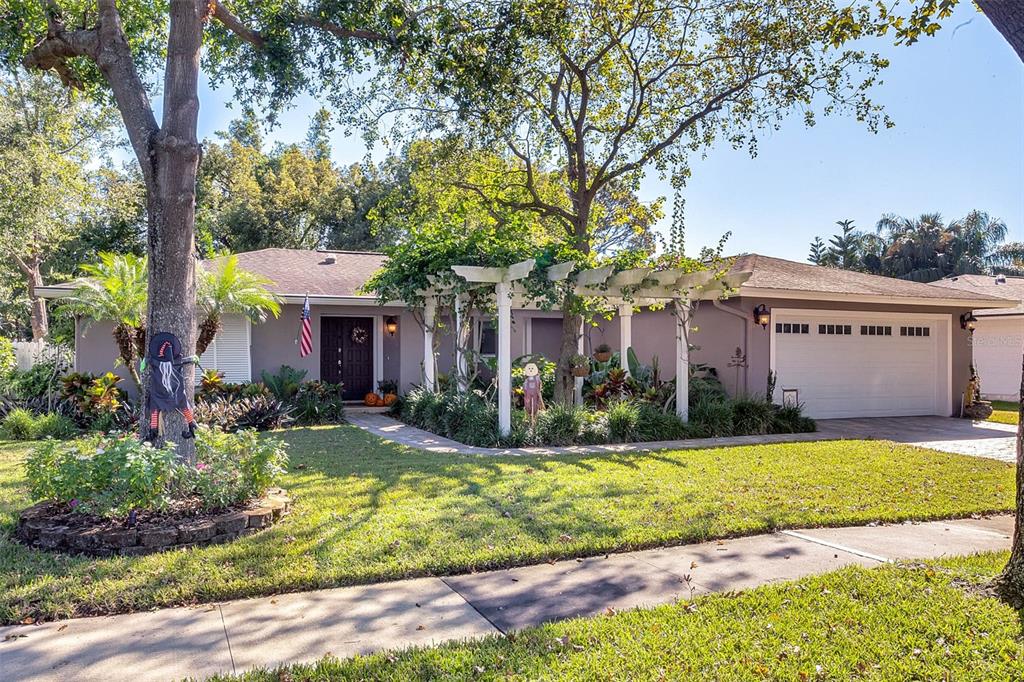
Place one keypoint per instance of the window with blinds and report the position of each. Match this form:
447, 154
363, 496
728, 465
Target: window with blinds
229, 352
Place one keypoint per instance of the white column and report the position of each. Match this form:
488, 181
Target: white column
461, 369
625, 333
429, 375
578, 381
682, 359
504, 295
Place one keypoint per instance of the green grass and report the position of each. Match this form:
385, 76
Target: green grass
366, 510
886, 623
1004, 412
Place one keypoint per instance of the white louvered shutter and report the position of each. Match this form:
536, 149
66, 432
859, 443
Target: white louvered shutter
229, 352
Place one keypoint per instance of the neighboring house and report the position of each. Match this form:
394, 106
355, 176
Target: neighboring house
845, 344
998, 342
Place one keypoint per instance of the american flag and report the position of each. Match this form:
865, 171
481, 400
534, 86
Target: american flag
305, 332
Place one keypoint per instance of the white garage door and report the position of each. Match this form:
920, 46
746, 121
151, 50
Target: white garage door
862, 364
997, 343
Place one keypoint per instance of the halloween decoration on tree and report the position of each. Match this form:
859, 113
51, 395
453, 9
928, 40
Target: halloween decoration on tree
533, 398
166, 384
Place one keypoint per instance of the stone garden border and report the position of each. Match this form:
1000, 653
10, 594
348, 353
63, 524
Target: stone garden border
45, 526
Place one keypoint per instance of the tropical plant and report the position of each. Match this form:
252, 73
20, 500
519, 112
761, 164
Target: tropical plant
234, 413
318, 402
115, 289
285, 383
211, 383
228, 289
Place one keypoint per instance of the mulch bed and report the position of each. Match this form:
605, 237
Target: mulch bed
56, 527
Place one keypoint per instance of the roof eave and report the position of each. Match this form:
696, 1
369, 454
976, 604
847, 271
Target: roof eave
974, 303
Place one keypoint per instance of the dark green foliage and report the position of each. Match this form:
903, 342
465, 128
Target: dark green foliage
623, 419
318, 402
656, 424
39, 381
54, 425
230, 413
706, 388
752, 416
711, 418
285, 383
561, 424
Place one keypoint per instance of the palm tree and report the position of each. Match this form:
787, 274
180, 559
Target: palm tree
230, 289
917, 247
115, 289
978, 238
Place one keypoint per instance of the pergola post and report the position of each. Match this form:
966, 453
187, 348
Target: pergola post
461, 367
503, 290
429, 312
625, 333
681, 314
578, 381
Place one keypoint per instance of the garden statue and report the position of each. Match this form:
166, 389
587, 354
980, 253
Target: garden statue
533, 398
166, 385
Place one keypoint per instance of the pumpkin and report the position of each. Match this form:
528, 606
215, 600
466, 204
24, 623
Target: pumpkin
389, 399
370, 399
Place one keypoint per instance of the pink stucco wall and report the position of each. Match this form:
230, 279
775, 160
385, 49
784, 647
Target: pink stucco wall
716, 334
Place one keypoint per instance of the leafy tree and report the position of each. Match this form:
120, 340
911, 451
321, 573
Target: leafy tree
226, 288
115, 289
592, 93
46, 141
115, 50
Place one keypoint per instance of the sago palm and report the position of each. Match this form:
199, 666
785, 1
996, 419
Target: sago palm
228, 289
115, 289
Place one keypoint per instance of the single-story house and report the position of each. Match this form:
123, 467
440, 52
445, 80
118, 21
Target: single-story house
844, 344
998, 341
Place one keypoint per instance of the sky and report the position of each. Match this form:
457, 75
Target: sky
957, 100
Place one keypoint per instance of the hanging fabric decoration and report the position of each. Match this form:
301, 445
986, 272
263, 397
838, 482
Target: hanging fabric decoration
166, 383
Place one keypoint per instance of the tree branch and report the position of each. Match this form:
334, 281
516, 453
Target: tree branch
231, 22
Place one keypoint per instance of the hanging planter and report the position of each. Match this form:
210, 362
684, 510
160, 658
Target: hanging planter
580, 365
603, 353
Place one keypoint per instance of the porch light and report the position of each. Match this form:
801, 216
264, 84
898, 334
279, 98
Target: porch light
969, 322
391, 325
762, 316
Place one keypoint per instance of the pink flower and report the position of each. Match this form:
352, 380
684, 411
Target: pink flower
201, 465
73, 503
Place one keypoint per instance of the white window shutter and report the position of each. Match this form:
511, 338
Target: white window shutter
229, 352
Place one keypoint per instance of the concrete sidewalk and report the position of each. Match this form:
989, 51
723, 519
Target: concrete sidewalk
235, 636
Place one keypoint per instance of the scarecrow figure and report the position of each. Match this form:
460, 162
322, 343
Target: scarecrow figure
533, 398
166, 384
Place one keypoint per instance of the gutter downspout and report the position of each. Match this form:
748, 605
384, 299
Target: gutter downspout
746, 333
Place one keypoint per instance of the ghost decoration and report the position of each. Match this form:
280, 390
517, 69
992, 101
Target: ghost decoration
166, 383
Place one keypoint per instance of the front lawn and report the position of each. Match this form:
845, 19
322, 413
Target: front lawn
886, 623
1004, 412
366, 511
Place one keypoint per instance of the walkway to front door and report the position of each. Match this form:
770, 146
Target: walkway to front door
346, 354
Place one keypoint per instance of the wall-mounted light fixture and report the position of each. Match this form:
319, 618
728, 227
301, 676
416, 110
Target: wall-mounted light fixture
762, 316
391, 325
969, 322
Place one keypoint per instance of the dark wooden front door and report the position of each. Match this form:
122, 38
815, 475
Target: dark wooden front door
346, 354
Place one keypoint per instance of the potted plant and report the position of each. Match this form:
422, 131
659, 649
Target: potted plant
603, 353
580, 365
389, 389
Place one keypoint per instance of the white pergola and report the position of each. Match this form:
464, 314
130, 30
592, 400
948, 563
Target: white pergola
624, 290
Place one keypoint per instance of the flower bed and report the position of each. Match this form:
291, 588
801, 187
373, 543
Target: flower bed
115, 495
58, 527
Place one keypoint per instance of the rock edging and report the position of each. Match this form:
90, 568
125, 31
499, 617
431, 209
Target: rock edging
45, 526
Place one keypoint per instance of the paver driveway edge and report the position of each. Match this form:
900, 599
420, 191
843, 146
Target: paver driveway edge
303, 626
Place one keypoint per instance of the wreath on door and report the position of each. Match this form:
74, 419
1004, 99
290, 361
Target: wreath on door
360, 335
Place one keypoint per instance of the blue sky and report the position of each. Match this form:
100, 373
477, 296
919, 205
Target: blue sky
958, 103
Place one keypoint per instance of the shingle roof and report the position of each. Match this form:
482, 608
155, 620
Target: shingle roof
1012, 289
296, 272
776, 273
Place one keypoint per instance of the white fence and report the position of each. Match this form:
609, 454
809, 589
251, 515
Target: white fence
28, 353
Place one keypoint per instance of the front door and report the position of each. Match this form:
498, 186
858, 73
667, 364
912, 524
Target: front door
346, 354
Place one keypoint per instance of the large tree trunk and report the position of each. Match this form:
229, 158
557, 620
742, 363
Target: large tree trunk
32, 269
171, 203
1010, 584
1008, 18
565, 382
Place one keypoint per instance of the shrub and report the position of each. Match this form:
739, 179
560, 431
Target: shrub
595, 429
623, 419
19, 424
285, 383
656, 424
231, 468
114, 476
711, 417
752, 416
706, 388
560, 424
54, 425
38, 381
479, 424
101, 475
230, 413
318, 402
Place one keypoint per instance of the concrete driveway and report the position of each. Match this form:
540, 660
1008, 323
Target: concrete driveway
960, 436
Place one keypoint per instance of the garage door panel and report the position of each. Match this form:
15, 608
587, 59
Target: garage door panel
859, 374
